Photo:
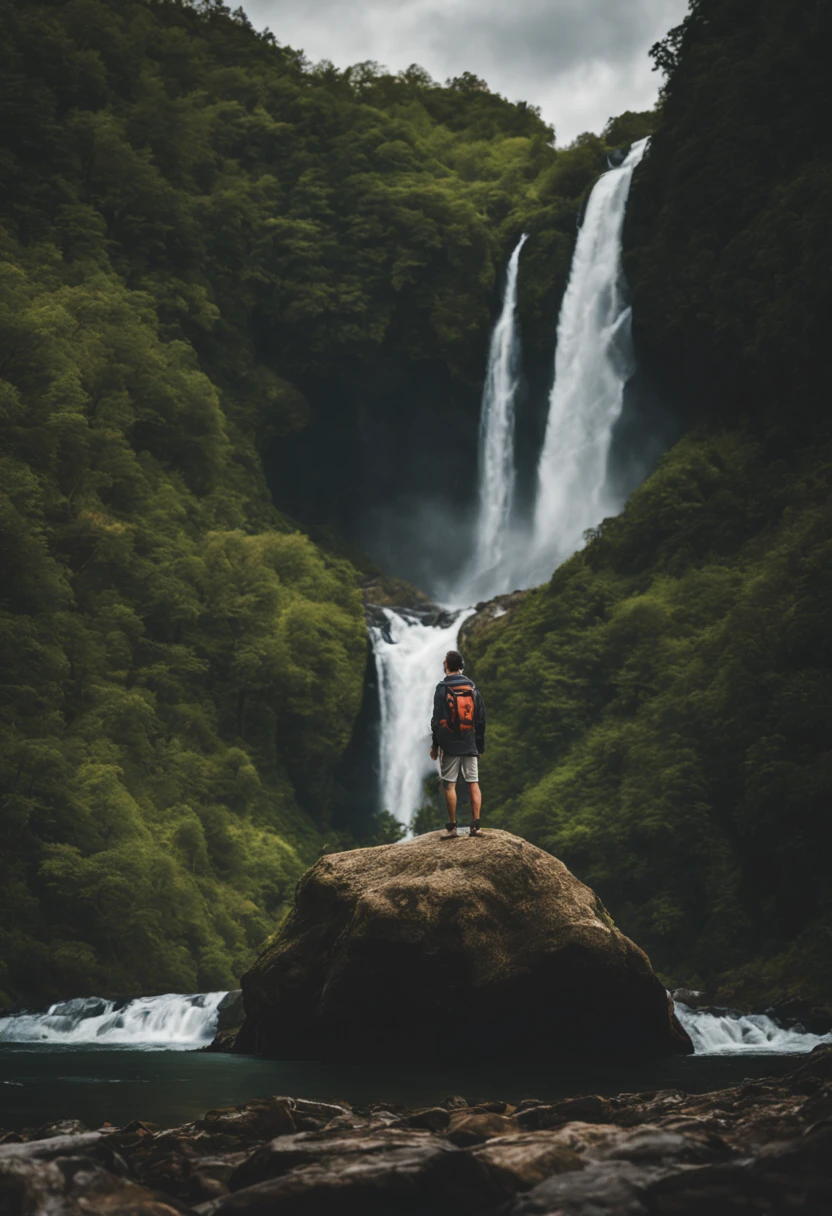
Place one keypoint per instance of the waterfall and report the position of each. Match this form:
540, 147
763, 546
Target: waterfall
173, 1020
408, 649
408, 655
487, 575
593, 362
726, 1033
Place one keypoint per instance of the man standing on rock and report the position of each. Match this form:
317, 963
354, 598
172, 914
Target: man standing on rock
458, 733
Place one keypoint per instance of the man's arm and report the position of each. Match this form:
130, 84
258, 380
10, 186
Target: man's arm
438, 714
480, 724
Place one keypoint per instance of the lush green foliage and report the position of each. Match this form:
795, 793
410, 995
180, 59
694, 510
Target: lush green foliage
273, 212
676, 673
165, 657
664, 712
729, 216
196, 226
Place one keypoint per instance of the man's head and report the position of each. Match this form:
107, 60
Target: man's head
453, 662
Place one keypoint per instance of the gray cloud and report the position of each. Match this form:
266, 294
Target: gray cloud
581, 61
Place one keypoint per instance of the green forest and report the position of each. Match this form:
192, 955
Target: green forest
679, 755
198, 226
200, 233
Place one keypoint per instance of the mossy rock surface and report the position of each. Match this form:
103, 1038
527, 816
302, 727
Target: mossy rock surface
389, 948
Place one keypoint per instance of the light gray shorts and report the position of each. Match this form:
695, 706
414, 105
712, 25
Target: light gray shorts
449, 767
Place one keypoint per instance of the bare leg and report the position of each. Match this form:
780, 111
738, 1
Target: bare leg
475, 795
450, 799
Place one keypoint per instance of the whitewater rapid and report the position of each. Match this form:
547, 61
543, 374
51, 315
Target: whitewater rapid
188, 1021
727, 1033
169, 1021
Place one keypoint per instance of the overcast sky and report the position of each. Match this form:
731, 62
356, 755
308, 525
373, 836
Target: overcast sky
581, 61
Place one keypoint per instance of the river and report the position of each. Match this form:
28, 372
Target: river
100, 1062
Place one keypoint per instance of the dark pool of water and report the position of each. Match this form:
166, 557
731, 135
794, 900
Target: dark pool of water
41, 1083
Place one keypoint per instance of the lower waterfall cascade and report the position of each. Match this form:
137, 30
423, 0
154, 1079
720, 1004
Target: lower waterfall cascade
408, 655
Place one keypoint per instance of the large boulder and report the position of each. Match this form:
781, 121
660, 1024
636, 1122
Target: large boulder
405, 947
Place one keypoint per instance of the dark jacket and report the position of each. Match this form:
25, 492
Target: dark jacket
457, 745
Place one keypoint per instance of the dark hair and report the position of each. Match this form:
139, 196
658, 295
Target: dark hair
454, 660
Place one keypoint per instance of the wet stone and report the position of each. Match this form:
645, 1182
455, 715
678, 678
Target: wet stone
432, 1119
258, 1120
63, 1127
524, 1159
68, 1183
588, 1109
757, 1147
616, 1172
466, 1129
285, 1153
429, 1176
317, 1110
345, 1123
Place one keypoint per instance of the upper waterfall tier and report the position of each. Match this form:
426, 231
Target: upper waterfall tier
488, 573
593, 362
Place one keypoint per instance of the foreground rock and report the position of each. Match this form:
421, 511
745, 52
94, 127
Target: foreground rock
759, 1147
388, 947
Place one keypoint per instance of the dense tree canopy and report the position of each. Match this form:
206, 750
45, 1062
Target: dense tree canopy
678, 752
664, 720
198, 230
166, 644
221, 268
731, 246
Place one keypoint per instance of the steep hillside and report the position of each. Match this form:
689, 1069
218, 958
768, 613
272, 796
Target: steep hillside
662, 709
166, 644
728, 228
221, 271
662, 723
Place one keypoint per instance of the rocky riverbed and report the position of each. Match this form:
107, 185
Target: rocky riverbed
763, 1146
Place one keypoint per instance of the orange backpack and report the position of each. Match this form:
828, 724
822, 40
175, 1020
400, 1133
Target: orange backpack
460, 708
